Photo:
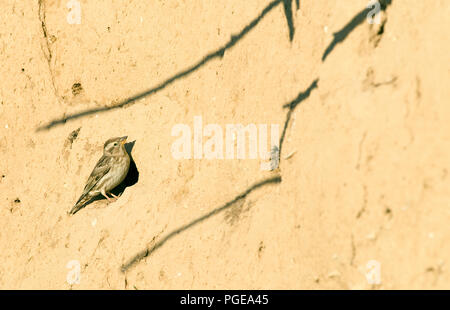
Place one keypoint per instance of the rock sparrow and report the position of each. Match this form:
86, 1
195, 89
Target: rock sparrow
109, 172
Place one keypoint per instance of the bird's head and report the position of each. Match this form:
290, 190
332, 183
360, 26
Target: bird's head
115, 146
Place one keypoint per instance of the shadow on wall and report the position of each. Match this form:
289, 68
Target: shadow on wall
359, 18
338, 38
133, 174
291, 106
273, 180
149, 250
219, 53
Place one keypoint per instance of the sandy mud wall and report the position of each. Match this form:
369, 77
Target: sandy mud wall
358, 199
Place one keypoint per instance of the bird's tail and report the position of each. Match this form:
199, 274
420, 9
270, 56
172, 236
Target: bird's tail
80, 203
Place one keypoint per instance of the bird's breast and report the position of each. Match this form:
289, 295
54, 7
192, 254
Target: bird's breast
117, 173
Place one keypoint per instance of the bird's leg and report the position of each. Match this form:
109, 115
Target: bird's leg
116, 197
106, 196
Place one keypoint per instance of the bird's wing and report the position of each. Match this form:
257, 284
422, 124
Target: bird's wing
101, 169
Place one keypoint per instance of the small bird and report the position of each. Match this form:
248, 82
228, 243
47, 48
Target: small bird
109, 172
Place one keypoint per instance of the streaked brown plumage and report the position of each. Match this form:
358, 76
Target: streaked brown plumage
109, 172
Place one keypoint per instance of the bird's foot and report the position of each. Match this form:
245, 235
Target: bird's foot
108, 198
113, 199
114, 196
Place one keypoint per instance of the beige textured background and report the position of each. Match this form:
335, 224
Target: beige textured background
367, 179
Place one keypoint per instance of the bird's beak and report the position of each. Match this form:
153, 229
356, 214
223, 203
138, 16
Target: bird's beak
123, 139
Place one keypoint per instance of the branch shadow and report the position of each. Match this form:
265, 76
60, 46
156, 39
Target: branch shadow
287, 4
149, 250
219, 53
339, 37
291, 106
277, 179
359, 18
